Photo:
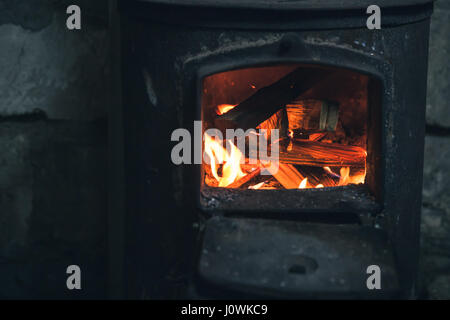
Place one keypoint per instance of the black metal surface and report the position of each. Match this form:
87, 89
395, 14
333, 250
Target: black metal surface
347, 199
277, 15
291, 4
295, 260
163, 68
242, 17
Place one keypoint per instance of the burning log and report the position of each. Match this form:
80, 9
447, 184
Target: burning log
209, 178
287, 175
316, 136
312, 115
319, 154
257, 186
250, 170
245, 179
268, 100
278, 120
317, 176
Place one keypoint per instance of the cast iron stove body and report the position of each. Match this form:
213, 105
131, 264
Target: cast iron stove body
186, 228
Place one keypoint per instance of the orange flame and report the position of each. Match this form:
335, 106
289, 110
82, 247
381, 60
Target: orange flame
346, 179
291, 134
303, 184
224, 108
231, 170
230, 161
257, 186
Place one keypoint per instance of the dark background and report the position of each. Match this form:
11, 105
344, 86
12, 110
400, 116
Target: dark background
55, 95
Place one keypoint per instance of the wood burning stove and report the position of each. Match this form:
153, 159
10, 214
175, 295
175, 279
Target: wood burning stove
348, 104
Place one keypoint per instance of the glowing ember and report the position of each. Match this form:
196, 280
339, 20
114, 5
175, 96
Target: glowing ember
319, 185
224, 108
257, 186
291, 134
316, 136
346, 179
345, 172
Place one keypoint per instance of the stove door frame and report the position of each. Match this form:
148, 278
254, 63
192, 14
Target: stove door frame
301, 52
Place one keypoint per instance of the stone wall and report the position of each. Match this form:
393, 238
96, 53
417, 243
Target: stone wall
435, 261
53, 151
53, 143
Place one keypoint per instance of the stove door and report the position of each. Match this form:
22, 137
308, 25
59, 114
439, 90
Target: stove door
285, 259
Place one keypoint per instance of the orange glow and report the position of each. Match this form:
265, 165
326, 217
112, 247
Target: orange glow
322, 133
231, 170
345, 173
316, 136
224, 108
346, 179
303, 184
257, 186
291, 134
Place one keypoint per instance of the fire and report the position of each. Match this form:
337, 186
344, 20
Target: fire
228, 167
291, 136
303, 183
231, 170
224, 108
328, 170
346, 179
316, 136
345, 175
257, 186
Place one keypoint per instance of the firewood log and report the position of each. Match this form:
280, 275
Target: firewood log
319, 154
268, 100
312, 115
245, 179
317, 176
287, 175
278, 120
